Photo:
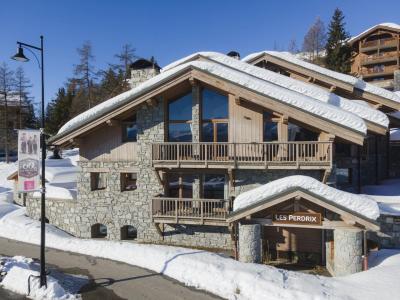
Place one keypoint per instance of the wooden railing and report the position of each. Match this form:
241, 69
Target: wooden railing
379, 42
242, 155
190, 211
382, 57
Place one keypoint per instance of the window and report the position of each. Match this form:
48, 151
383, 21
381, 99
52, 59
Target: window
98, 231
344, 176
297, 133
129, 130
270, 128
180, 185
128, 232
215, 116
214, 186
180, 119
128, 181
98, 181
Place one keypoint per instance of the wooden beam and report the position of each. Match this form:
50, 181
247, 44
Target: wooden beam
325, 224
332, 89
238, 100
152, 102
113, 122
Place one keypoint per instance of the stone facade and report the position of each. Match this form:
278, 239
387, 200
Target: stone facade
396, 80
389, 235
140, 75
347, 251
250, 243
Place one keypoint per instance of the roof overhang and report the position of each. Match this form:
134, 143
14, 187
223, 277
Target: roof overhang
371, 30
193, 73
313, 75
350, 217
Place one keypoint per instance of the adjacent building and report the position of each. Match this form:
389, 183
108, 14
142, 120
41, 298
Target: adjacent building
252, 156
376, 55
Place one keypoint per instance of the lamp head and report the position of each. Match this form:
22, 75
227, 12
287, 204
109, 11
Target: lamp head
20, 55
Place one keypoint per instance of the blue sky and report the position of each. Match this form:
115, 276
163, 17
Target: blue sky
166, 30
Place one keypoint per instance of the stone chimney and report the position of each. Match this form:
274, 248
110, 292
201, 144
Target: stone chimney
142, 70
396, 80
234, 54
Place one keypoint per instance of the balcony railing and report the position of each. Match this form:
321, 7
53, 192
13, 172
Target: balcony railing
388, 42
190, 211
274, 155
381, 58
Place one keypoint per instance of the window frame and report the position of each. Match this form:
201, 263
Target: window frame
123, 181
124, 125
169, 121
95, 180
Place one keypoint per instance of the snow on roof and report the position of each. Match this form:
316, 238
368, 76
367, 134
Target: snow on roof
390, 25
301, 102
12, 100
358, 203
395, 134
363, 110
354, 81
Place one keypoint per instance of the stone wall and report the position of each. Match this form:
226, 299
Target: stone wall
389, 235
347, 251
396, 80
141, 75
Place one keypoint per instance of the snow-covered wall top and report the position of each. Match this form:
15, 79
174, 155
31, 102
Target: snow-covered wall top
360, 204
354, 81
363, 110
301, 102
390, 25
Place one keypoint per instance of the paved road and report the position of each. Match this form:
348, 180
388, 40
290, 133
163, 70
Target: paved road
109, 279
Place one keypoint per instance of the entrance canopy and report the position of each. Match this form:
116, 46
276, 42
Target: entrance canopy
302, 201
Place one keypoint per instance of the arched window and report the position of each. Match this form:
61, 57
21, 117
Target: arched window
128, 232
99, 231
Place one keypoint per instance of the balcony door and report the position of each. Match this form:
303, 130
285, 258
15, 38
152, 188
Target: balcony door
215, 123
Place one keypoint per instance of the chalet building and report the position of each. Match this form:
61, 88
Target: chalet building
376, 55
12, 116
217, 152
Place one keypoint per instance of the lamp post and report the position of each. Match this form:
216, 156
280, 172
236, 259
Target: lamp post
22, 58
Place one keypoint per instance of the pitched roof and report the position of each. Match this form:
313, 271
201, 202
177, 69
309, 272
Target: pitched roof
354, 106
390, 26
347, 79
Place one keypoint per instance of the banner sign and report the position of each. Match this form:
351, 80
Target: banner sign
28, 160
300, 218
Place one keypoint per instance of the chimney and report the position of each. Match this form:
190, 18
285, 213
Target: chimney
142, 70
234, 54
396, 81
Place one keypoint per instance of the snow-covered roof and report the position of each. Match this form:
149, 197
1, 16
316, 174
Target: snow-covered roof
395, 134
393, 26
363, 110
278, 93
12, 100
359, 204
354, 81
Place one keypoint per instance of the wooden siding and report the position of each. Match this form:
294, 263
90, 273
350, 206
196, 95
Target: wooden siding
246, 122
105, 144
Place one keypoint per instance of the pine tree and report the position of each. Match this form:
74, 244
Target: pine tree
85, 72
314, 40
58, 111
338, 52
7, 83
112, 83
26, 117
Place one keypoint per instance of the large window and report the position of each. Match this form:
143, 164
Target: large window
180, 119
297, 133
129, 130
180, 185
215, 116
270, 128
214, 186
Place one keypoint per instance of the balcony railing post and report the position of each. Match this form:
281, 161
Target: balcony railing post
176, 210
202, 211
177, 154
297, 155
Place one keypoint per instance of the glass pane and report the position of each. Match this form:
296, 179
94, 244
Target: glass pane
222, 132
214, 186
131, 132
214, 105
187, 186
173, 185
297, 133
179, 132
181, 108
270, 130
208, 132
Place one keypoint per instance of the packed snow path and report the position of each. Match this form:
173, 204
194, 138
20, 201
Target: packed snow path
110, 279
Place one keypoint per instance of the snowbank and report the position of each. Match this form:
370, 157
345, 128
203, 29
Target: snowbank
6, 186
390, 25
360, 204
18, 269
301, 102
358, 107
387, 194
354, 81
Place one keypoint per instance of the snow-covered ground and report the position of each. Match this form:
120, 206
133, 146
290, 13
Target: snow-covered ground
60, 286
213, 272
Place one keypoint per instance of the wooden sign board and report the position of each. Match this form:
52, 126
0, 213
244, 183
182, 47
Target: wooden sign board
300, 218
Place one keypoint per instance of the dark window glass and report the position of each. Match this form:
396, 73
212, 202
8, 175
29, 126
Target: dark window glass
297, 133
214, 105
270, 130
180, 109
343, 176
129, 130
98, 181
222, 132
343, 150
179, 132
214, 186
208, 132
180, 186
128, 181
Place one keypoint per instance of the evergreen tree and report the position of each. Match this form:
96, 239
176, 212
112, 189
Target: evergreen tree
58, 111
338, 52
112, 83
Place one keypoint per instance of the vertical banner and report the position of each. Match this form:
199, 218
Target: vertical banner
28, 160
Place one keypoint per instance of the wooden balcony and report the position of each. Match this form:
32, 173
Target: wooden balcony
378, 59
191, 211
270, 155
381, 43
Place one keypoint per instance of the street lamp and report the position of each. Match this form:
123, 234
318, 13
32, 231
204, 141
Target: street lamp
22, 58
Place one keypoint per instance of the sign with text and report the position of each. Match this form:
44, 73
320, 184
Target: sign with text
28, 160
300, 218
